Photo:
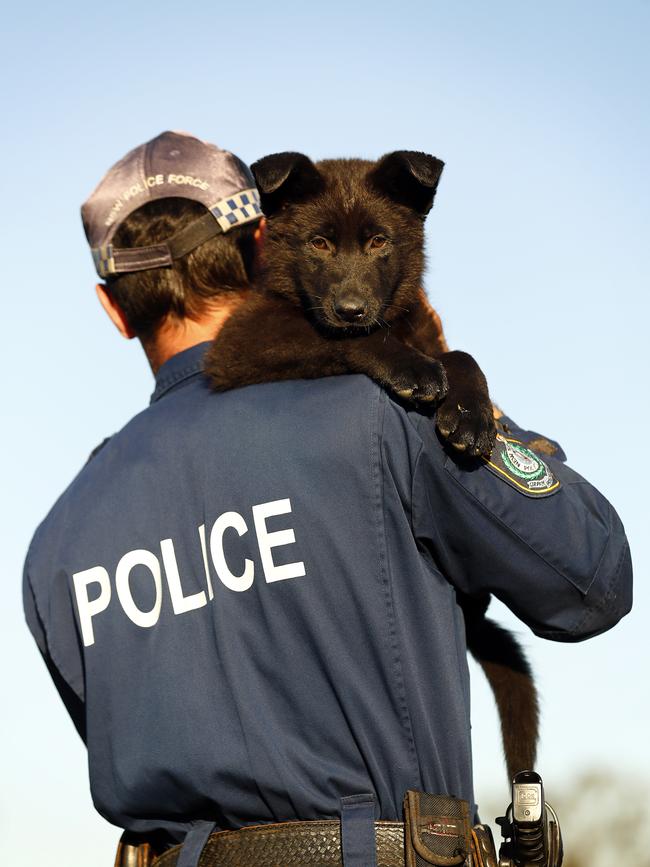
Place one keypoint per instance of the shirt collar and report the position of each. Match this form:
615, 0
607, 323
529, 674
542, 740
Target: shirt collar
184, 365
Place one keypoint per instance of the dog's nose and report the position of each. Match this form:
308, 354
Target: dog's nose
350, 307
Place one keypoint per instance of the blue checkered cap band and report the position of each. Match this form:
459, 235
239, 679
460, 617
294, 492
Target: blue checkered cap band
237, 209
104, 262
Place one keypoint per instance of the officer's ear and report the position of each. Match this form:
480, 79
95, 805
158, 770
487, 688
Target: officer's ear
114, 311
259, 236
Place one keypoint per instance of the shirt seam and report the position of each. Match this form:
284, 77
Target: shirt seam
577, 627
377, 469
434, 570
414, 470
580, 623
426, 555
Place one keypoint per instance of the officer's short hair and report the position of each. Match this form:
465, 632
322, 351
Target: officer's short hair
220, 266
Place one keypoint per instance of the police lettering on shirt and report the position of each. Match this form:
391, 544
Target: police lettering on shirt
90, 604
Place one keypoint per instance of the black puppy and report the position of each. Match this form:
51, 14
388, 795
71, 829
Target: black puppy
340, 292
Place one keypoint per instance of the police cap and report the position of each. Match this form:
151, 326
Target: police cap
174, 164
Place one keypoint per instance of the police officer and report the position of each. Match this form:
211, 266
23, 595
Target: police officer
247, 600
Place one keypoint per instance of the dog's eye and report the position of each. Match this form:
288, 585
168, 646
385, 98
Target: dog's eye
377, 242
319, 243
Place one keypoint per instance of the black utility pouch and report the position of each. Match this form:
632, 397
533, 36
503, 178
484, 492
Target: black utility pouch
437, 830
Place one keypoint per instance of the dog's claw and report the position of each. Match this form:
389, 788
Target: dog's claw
418, 380
468, 424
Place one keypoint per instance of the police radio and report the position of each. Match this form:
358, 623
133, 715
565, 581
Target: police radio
530, 828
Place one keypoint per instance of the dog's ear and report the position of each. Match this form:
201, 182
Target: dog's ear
409, 178
285, 177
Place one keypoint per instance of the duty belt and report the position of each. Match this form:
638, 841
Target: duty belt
437, 831
290, 844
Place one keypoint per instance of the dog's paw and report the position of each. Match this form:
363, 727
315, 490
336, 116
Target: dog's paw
467, 424
419, 380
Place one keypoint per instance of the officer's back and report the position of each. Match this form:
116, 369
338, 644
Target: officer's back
247, 592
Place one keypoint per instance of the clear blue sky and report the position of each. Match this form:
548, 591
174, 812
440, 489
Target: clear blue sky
538, 263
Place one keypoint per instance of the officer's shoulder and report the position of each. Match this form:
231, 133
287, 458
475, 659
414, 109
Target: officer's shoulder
92, 465
357, 399
349, 395
352, 399
339, 394
58, 508
322, 410
49, 529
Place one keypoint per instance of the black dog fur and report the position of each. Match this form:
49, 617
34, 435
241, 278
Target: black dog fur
340, 292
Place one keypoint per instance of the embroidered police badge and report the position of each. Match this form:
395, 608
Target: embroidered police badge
522, 468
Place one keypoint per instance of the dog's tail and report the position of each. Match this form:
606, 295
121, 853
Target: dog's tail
509, 674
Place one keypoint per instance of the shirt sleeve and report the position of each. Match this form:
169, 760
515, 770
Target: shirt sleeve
560, 561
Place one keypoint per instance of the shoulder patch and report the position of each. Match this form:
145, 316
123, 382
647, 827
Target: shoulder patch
521, 468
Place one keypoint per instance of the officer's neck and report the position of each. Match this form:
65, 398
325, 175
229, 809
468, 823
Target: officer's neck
175, 335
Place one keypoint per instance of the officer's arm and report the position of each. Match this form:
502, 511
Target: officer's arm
555, 552
71, 700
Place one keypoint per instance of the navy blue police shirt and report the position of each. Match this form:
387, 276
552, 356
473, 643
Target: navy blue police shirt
247, 600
